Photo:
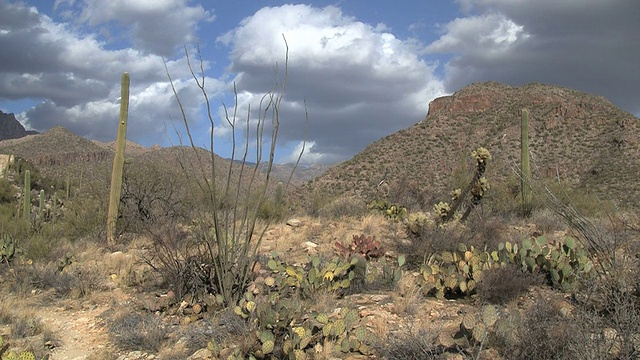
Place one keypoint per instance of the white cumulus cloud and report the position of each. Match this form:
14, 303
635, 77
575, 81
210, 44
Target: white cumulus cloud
359, 81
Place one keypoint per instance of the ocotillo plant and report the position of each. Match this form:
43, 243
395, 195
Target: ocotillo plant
118, 161
27, 195
525, 169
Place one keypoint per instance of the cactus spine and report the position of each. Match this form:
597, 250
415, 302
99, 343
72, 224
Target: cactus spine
27, 195
525, 169
118, 161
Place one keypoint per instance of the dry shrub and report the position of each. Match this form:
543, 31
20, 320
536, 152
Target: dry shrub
134, 331
343, 207
545, 334
409, 344
503, 284
76, 280
547, 222
608, 314
433, 239
486, 230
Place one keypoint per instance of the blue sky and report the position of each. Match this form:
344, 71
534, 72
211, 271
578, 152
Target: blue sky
365, 69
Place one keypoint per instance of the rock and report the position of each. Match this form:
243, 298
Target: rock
11, 128
446, 340
310, 247
294, 223
197, 308
564, 308
202, 354
489, 354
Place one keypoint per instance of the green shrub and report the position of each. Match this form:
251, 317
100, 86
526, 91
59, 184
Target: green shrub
7, 191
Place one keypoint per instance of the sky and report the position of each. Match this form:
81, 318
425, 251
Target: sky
357, 70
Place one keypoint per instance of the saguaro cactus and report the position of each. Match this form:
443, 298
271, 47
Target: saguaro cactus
118, 161
41, 205
27, 195
525, 169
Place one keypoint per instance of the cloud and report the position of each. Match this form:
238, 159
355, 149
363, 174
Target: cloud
155, 26
589, 45
76, 79
359, 81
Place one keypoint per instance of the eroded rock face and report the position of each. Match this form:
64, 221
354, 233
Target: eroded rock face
11, 128
473, 98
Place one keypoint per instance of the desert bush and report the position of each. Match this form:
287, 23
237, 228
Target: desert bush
181, 259
343, 207
25, 326
76, 280
608, 313
228, 235
150, 196
432, 239
271, 210
134, 331
317, 201
412, 194
500, 285
45, 245
547, 222
7, 191
410, 345
545, 334
84, 217
487, 230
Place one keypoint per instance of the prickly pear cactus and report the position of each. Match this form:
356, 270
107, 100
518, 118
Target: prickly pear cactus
366, 246
391, 211
457, 272
7, 248
283, 325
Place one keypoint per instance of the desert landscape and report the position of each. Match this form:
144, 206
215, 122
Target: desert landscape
434, 242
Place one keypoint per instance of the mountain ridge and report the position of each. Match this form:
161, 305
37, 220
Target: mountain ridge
11, 128
574, 136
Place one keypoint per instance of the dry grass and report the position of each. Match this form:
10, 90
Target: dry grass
410, 344
135, 331
408, 297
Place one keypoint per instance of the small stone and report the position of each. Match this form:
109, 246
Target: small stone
197, 308
294, 223
201, 354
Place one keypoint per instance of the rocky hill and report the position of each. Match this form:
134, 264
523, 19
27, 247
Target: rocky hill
11, 128
59, 153
575, 137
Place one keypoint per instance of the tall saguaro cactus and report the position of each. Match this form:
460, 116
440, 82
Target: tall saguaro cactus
27, 195
525, 169
118, 161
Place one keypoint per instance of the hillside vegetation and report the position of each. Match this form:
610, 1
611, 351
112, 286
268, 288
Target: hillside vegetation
579, 139
417, 248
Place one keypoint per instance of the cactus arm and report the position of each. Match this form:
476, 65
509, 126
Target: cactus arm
118, 161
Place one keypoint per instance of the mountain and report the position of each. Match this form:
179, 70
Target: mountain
578, 138
11, 128
59, 153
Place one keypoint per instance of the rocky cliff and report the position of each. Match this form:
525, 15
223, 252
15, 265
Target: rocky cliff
11, 128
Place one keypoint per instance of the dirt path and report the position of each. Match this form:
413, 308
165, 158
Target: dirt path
79, 331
